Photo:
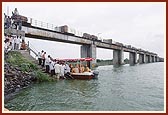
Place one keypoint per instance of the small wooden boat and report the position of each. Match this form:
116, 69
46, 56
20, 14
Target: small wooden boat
81, 76
85, 75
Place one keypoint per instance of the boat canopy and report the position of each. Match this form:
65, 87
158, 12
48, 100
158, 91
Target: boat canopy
75, 60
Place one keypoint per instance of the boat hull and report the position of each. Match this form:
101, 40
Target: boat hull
84, 76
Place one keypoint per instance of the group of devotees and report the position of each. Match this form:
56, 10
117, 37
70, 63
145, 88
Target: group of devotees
59, 69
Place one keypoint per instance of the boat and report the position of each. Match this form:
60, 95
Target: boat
84, 75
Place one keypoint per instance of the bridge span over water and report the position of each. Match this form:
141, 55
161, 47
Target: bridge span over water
88, 47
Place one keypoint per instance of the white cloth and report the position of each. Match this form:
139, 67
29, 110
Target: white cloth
57, 68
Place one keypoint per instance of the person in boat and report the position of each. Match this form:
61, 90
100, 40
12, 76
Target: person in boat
81, 69
87, 69
71, 67
57, 70
75, 69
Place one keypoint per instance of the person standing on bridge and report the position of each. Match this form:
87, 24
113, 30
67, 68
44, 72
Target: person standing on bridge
16, 12
19, 24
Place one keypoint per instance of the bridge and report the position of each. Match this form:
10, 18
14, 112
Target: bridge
88, 47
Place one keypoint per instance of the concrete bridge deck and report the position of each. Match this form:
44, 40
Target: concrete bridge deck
88, 48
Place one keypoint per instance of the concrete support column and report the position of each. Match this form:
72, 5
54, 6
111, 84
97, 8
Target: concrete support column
136, 58
150, 59
158, 59
144, 58
147, 59
89, 51
118, 57
132, 58
93, 55
141, 58
154, 59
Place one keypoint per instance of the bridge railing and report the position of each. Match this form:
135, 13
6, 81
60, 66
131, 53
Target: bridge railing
32, 49
41, 24
49, 26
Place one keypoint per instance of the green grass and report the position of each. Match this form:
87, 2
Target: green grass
16, 59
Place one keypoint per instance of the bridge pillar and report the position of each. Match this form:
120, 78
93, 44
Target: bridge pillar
141, 58
118, 57
132, 58
89, 51
144, 60
154, 59
150, 58
147, 59
158, 59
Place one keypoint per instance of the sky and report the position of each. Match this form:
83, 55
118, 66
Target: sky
141, 25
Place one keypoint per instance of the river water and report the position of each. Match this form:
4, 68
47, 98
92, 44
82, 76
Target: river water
124, 88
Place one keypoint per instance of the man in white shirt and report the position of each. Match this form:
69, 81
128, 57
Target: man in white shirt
47, 61
57, 70
62, 69
51, 66
17, 43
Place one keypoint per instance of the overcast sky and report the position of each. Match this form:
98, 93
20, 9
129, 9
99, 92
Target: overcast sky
141, 25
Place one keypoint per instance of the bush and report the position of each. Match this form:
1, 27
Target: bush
42, 76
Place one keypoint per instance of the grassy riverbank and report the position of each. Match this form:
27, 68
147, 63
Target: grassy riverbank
17, 60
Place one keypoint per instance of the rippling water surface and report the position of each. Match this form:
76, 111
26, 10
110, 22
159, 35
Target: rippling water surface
124, 88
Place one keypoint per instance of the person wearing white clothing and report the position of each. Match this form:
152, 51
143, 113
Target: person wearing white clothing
14, 41
57, 70
47, 61
62, 69
39, 58
51, 66
17, 43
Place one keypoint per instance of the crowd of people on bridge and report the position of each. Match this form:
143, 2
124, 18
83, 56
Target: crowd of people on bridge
12, 22
59, 69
